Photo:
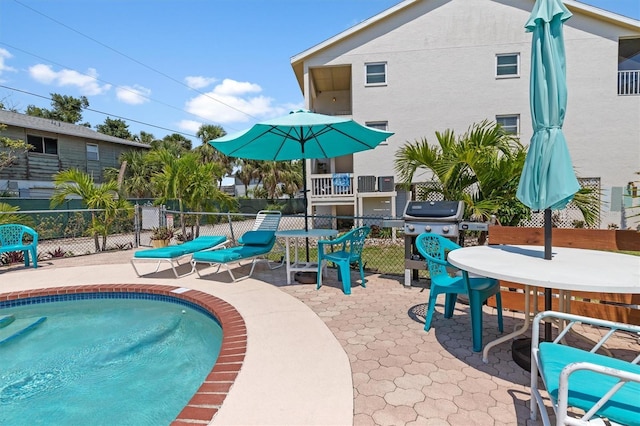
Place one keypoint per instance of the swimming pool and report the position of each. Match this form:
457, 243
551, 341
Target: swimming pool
156, 365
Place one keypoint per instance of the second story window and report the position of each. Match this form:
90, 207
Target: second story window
510, 123
508, 65
380, 125
43, 145
376, 74
92, 152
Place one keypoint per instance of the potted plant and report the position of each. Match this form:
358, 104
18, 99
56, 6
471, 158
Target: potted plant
161, 236
182, 238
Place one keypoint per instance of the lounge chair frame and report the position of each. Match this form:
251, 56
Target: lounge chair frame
608, 374
266, 220
174, 261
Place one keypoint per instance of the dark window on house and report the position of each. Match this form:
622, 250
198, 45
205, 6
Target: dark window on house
510, 123
380, 125
376, 73
93, 154
43, 144
507, 65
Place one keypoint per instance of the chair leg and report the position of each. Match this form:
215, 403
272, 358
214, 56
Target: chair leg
343, 267
475, 306
364, 283
25, 255
449, 304
432, 305
499, 307
319, 280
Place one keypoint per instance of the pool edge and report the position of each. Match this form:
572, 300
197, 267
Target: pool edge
205, 403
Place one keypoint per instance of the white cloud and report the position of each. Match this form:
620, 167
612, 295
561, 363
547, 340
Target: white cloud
231, 102
133, 95
199, 82
190, 126
87, 83
4, 54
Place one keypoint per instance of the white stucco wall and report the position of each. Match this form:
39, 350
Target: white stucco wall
441, 74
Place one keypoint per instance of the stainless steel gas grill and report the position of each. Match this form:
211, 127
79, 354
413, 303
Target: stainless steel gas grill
438, 217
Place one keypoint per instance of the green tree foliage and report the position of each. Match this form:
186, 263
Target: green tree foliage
115, 127
10, 215
480, 167
74, 182
186, 179
64, 108
11, 149
174, 142
144, 137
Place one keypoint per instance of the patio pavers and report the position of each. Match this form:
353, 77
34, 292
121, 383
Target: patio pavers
402, 375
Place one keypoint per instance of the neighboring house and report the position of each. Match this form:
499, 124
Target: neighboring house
58, 146
429, 65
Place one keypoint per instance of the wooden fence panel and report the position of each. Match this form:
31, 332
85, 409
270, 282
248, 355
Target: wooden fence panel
612, 306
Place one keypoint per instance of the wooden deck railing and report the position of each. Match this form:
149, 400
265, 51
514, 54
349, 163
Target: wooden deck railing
610, 306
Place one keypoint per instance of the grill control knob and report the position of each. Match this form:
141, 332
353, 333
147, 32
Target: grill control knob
427, 228
411, 228
445, 229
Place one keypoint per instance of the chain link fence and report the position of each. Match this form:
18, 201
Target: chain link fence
68, 233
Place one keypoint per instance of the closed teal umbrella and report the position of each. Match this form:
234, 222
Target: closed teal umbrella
548, 180
300, 135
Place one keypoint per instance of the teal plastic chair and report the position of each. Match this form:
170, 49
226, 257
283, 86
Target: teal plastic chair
434, 249
348, 252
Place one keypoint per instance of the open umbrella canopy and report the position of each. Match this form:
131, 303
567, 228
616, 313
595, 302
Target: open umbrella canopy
300, 135
548, 179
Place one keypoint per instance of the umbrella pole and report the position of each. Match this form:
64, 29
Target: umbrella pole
547, 256
306, 215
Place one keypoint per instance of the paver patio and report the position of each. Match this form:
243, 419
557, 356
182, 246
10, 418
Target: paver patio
400, 374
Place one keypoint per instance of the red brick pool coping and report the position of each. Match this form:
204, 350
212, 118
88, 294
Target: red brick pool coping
208, 399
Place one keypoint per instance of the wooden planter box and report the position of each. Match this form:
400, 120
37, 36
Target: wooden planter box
612, 306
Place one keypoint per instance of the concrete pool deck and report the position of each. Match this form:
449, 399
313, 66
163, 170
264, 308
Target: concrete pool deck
323, 358
292, 361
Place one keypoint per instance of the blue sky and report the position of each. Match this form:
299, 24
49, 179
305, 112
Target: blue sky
158, 63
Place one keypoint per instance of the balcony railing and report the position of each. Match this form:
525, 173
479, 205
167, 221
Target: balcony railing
629, 82
328, 185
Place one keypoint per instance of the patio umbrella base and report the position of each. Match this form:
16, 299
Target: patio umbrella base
521, 353
306, 277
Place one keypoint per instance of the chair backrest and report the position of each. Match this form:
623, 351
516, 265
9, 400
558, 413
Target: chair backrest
13, 234
267, 220
356, 239
434, 249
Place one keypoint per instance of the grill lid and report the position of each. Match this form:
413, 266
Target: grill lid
434, 210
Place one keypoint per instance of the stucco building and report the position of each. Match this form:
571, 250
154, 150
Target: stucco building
429, 65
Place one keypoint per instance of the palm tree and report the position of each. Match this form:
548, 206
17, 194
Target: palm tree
208, 132
481, 167
248, 171
478, 167
105, 196
203, 194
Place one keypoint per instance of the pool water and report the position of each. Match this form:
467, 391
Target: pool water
104, 362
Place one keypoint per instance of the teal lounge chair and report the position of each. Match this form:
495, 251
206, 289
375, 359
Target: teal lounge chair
584, 386
173, 254
253, 245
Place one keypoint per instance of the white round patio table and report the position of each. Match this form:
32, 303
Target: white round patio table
292, 236
569, 269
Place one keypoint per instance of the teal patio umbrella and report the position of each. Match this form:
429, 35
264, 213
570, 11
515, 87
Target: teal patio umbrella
548, 180
300, 135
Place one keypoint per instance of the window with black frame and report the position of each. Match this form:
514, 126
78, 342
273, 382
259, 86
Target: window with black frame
43, 144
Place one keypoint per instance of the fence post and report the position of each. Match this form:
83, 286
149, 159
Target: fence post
136, 225
163, 215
